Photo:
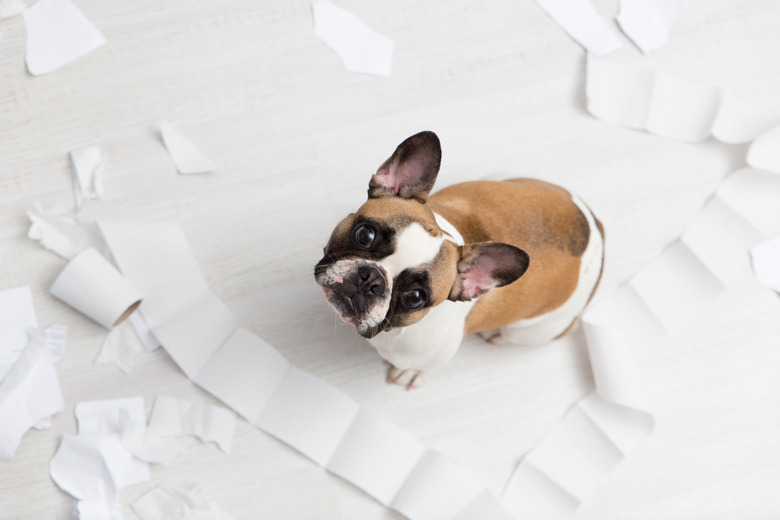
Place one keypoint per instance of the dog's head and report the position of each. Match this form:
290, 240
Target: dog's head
389, 262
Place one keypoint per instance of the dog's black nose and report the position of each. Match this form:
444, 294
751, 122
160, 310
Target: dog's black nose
371, 281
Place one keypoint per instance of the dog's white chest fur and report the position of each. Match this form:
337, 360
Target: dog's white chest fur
428, 343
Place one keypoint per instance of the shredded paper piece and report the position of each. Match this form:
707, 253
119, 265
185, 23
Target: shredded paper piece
57, 34
87, 174
360, 48
120, 347
583, 23
185, 155
663, 105
31, 391
114, 446
17, 316
66, 234
647, 23
173, 503
9, 8
766, 263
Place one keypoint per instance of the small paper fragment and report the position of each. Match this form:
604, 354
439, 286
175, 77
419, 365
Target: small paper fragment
120, 347
172, 503
57, 34
9, 8
185, 155
64, 233
178, 418
360, 47
87, 174
648, 22
766, 263
17, 316
583, 23
764, 152
31, 390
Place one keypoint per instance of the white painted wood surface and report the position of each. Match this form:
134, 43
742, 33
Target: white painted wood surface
296, 138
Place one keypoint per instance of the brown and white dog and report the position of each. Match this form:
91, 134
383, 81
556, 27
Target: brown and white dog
516, 259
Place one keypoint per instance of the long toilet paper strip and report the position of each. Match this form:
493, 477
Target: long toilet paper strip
91, 285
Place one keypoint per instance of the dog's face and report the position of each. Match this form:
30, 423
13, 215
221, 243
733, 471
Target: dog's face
389, 262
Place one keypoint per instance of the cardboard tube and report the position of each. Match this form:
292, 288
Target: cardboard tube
92, 286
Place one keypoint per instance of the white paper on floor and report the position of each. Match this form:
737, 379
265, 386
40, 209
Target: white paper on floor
177, 503
9, 8
766, 263
17, 316
87, 174
648, 23
583, 23
185, 155
64, 233
666, 106
120, 347
57, 33
30, 392
360, 48
114, 446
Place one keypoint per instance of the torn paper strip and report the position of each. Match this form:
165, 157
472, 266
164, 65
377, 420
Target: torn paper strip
607, 425
31, 390
94, 465
764, 152
360, 48
9, 8
766, 263
17, 316
186, 157
57, 33
87, 174
64, 233
666, 106
648, 22
120, 347
92, 286
177, 418
248, 374
177, 503
90, 468
112, 417
583, 23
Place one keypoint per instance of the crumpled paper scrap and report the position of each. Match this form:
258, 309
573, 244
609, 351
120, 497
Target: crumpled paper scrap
57, 34
766, 263
187, 158
88, 166
120, 347
168, 502
31, 391
644, 99
361, 48
9, 8
65, 233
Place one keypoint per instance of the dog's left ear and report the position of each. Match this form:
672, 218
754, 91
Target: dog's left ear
411, 171
486, 265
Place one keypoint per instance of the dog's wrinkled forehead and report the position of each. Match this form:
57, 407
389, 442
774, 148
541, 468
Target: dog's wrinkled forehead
393, 231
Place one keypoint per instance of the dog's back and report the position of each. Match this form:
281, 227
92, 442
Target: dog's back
559, 233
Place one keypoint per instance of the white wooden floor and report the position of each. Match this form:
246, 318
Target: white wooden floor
296, 138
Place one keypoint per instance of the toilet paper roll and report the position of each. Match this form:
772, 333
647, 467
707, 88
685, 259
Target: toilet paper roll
92, 286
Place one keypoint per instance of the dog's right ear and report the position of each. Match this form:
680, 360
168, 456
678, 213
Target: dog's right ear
411, 171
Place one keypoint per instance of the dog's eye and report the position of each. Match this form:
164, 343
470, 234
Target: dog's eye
365, 235
415, 298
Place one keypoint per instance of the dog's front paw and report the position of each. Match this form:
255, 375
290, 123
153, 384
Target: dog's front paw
404, 377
